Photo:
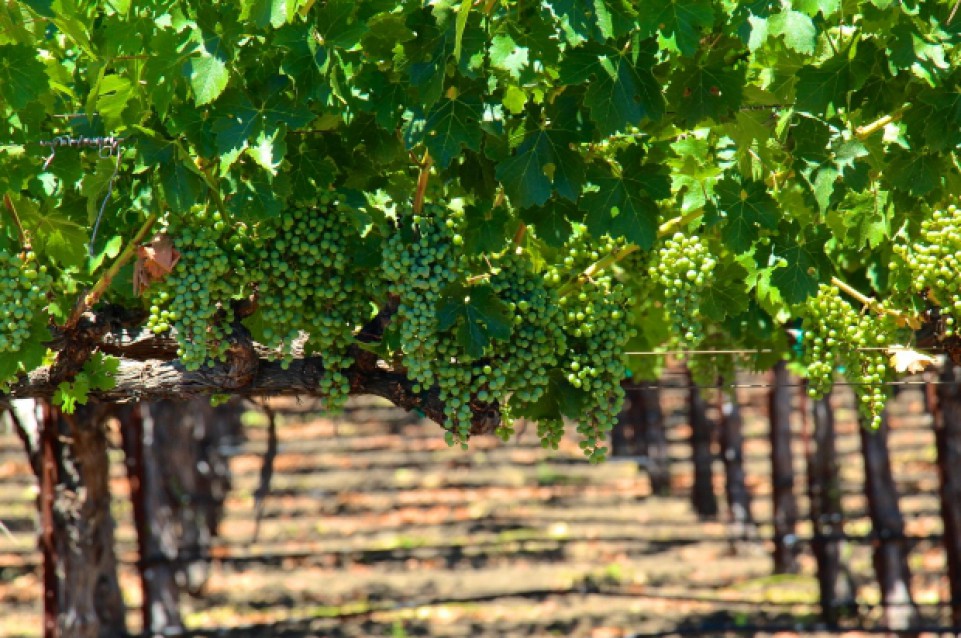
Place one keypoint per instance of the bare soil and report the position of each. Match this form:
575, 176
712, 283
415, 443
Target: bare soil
375, 528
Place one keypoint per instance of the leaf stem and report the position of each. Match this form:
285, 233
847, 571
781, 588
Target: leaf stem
422, 180
8, 203
874, 305
866, 131
519, 235
607, 261
672, 225
99, 288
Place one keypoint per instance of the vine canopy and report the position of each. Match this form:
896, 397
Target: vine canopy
472, 207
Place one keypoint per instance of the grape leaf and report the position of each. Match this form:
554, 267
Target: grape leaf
747, 207
797, 29
208, 72
451, 126
480, 316
485, 228
544, 162
706, 90
821, 86
23, 77
622, 207
802, 261
680, 20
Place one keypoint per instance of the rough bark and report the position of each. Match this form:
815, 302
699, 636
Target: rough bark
630, 423
89, 602
947, 432
731, 439
702, 495
890, 553
156, 379
782, 473
655, 438
835, 584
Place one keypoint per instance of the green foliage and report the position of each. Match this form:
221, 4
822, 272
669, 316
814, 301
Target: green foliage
797, 142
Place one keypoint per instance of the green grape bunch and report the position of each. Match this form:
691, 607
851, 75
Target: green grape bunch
837, 337
23, 286
310, 290
594, 322
933, 263
194, 299
683, 268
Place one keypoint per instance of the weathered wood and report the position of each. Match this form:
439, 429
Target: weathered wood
655, 438
702, 495
835, 584
782, 473
89, 602
890, 553
155, 379
731, 439
947, 413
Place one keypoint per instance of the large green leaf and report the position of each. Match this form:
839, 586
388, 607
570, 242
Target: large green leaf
683, 21
23, 78
545, 162
747, 208
208, 71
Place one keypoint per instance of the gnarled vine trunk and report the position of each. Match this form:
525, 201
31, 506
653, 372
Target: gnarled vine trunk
782, 473
947, 423
77, 536
890, 554
731, 438
702, 495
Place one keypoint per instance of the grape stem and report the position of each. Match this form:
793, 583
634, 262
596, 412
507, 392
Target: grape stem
866, 131
99, 288
519, 235
606, 261
422, 182
24, 240
874, 305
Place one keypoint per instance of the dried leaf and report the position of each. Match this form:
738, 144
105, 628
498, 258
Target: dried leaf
910, 361
154, 262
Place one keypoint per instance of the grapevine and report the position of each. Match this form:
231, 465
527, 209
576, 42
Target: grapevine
683, 267
308, 286
195, 299
839, 338
23, 286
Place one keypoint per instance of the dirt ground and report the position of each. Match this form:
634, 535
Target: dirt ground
375, 528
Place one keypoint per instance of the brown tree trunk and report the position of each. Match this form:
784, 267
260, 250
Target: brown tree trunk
732, 452
630, 422
702, 495
890, 554
81, 540
782, 473
156, 531
947, 420
835, 584
655, 438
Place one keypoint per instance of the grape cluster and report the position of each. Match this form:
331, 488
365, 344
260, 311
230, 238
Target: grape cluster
308, 286
836, 337
421, 261
23, 287
683, 268
596, 329
194, 299
933, 263
537, 341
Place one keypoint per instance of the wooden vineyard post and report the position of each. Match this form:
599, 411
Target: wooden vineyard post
836, 589
732, 452
946, 409
702, 494
890, 554
782, 472
655, 438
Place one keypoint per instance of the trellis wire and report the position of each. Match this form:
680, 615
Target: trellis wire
108, 146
